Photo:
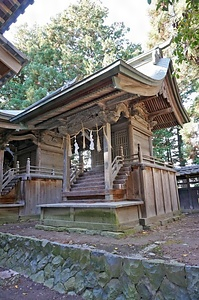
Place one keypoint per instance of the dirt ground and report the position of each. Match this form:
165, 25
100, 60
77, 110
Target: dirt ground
177, 241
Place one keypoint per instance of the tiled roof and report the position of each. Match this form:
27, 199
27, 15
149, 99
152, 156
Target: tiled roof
10, 10
187, 170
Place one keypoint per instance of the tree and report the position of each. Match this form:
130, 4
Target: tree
187, 77
185, 23
74, 44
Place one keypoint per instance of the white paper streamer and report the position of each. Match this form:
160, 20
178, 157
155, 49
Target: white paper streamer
76, 146
92, 147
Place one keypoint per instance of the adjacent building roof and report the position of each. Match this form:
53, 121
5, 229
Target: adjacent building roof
10, 10
188, 170
11, 59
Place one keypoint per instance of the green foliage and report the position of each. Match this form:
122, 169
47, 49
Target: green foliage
165, 144
185, 29
167, 21
74, 44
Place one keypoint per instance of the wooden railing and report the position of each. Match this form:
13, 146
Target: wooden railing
8, 176
142, 159
29, 171
116, 166
75, 171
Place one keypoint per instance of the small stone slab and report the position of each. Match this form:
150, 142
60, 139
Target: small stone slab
9, 277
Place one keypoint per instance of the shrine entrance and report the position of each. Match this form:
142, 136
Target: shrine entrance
119, 139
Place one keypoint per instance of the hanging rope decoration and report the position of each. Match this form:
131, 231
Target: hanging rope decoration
92, 147
98, 141
69, 146
92, 144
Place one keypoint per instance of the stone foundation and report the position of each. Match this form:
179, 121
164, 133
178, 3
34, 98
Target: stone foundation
95, 274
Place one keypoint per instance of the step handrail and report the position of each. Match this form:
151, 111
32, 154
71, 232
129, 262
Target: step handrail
116, 166
8, 176
75, 171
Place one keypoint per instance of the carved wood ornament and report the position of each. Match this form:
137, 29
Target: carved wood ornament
92, 117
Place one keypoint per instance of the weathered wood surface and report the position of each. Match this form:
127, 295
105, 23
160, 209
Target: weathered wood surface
38, 191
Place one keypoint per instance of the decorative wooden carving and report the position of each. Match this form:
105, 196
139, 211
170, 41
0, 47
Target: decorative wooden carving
51, 138
140, 111
91, 117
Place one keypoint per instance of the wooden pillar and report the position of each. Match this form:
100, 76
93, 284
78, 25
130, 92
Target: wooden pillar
81, 161
107, 160
131, 145
1, 168
66, 165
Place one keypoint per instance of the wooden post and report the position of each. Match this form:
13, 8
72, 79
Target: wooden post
142, 182
28, 167
81, 161
131, 142
66, 165
17, 167
1, 168
122, 153
140, 154
107, 160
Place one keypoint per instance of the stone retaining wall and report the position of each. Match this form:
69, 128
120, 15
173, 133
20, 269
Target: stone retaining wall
96, 274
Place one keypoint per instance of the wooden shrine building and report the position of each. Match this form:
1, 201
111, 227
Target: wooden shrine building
108, 118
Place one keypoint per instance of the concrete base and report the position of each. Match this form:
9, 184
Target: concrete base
160, 220
102, 216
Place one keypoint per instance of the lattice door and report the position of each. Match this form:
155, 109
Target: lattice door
120, 138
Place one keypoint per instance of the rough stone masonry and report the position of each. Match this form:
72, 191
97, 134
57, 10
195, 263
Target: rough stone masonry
96, 274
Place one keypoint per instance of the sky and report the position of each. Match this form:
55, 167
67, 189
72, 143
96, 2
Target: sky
132, 12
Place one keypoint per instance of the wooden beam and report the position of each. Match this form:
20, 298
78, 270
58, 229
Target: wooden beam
9, 61
11, 126
161, 112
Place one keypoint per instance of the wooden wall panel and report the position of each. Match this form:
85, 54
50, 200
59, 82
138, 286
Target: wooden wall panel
159, 197
149, 193
174, 191
143, 140
166, 192
40, 191
51, 159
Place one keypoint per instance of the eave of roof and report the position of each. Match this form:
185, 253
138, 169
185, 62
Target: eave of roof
15, 56
187, 170
52, 100
10, 11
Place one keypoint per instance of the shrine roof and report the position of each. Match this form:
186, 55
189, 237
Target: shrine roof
10, 112
148, 77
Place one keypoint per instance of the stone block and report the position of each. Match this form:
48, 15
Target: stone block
8, 278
